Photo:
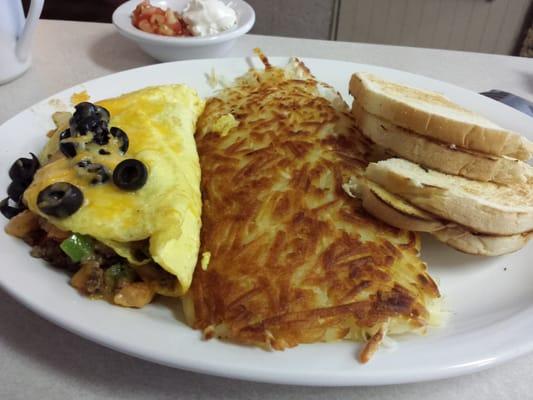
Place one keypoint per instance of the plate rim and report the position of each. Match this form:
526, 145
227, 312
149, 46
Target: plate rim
217, 370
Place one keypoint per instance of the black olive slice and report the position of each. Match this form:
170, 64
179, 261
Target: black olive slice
102, 113
104, 152
68, 149
101, 138
23, 169
121, 137
60, 199
84, 109
83, 125
101, 173
101, 134
65, 134
130, 174
98, 173
89, 118
7, 210
84, 163
15, 190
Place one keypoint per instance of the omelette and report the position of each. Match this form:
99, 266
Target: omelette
122, 177
288, 256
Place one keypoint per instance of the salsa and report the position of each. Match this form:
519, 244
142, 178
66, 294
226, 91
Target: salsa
152, 19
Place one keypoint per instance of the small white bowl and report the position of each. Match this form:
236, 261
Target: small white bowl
173, 48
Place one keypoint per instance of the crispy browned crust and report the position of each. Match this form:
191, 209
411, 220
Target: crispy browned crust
372, 345
293, 258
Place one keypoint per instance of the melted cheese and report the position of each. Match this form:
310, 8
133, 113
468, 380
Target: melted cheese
160, 123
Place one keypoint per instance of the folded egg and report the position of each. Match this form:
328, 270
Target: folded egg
162, 216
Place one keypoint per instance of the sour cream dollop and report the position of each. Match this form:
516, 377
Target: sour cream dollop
208, 17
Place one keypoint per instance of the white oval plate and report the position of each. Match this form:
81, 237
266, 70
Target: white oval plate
490, 299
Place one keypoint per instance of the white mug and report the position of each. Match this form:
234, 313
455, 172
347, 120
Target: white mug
15, 37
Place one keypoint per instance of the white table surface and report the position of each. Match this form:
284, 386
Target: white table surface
39, 360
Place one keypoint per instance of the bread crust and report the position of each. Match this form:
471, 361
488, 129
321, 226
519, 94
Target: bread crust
443, 120
453, 235
438, 155
483, 245
385, 211
481, 206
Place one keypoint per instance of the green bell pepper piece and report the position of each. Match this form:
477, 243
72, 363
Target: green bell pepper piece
120, 271
116, 273
77, 247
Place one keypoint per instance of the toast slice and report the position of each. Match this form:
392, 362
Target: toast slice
438, 155
400, 214
394, 211
478, 244
483, 207
431, 114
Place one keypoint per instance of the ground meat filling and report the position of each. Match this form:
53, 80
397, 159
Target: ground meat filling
103, 275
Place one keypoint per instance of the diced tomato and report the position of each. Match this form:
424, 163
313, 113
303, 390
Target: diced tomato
151, 19
145, 26
171, 17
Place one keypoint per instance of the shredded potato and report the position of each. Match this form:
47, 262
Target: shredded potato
294, 259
